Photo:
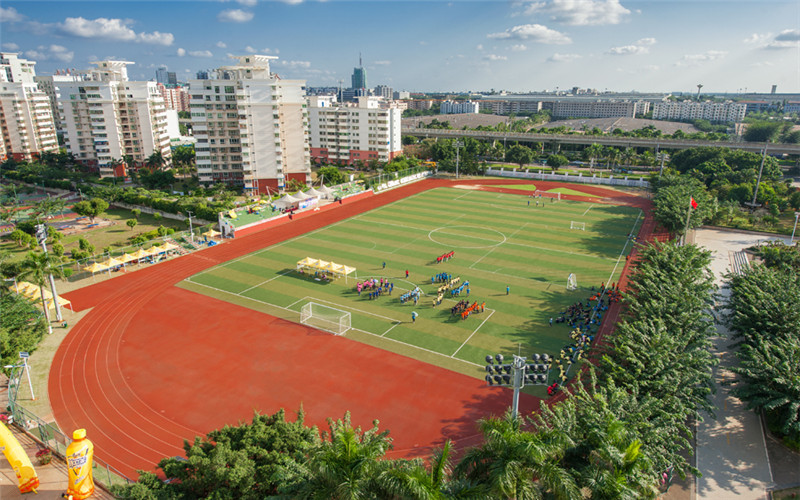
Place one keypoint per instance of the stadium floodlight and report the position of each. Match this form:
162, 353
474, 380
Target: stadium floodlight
796, 216
512, 375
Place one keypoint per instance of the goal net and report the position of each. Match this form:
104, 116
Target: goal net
577, 225
572, 282
545, 194
325, 318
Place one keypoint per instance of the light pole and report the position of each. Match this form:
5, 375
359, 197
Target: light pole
796, 216
41, 235
191, 233
458, 145
758, 181
514, 375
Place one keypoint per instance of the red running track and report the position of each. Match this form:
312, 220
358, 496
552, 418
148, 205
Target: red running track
152, 365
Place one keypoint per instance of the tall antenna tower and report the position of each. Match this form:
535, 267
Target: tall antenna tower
359, 61
699, 86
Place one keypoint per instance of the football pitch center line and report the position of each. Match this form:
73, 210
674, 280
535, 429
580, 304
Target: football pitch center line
587, 210
473, 333
417, 238
498, 246
357, 329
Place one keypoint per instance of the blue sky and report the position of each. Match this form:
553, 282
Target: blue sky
434, 45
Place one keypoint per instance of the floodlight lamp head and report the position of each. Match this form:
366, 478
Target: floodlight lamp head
499, 358
489, 368
489, 359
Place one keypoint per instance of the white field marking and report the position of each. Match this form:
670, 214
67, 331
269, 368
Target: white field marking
417, 238
357, 329
441, 230
295, 302
390, 329
587, 210
263, 250
493, 249
267, 281
315, 299
391, 224
418, 348
473, 333
463, 195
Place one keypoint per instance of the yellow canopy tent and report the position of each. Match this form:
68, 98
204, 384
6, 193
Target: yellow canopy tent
141, 254
95, 268
156, 249
232, 214
112, 262
211, 233
332, 268
128, 257
32, 292
167, 246
25, 288
307, 262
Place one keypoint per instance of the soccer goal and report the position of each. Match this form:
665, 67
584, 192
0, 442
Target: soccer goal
325, 318
577, 225
545, 194
572, 282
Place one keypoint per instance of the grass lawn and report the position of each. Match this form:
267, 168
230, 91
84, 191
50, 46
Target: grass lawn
498, 242
101, 237
570, 191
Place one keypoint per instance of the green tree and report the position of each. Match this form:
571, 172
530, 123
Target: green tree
184, 156
21, 327
48, 206
18, 236
672, 203
348, 464
519, 154
514, 463
556, 161
155, 161
762, 131
91, 208
592, 153
131, 223
330, 175
136, 213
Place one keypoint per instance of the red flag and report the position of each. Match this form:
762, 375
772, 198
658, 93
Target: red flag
694, 203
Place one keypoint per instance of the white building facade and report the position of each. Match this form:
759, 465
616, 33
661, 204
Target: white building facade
251, 126
346, 133
458, 107
108, 118
26, 119
711, 111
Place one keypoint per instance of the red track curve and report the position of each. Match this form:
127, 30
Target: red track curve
151, 364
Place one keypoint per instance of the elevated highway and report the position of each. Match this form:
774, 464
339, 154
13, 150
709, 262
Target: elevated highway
605, 140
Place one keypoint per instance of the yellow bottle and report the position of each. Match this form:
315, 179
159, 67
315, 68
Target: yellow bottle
79, 461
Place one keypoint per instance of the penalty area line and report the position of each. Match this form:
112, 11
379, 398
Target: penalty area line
473, 333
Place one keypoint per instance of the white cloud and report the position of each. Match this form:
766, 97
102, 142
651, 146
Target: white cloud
110, 29
786, 39
247, 3
758, 38
51, 53
563, 57
234, 16
10, 46
533, 32
518, 47
698, 59
479, 46
201, 53
222, 45
181, 52
494, 57
423, 43
292, 2
382, 63
250, 50
10, 15
295, 64
788, 36
651, 67
581, 12
639, 47
628, 50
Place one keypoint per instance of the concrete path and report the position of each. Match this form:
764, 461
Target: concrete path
731, 449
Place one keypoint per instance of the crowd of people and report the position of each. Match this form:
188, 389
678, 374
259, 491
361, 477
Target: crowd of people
374, 287
445, 257
412, 295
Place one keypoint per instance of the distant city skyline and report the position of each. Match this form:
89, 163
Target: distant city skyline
427, 46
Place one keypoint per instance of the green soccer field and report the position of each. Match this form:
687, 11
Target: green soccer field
499, 241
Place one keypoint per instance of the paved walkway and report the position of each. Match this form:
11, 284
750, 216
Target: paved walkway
731, 449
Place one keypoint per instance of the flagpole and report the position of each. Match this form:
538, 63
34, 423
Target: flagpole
688, 216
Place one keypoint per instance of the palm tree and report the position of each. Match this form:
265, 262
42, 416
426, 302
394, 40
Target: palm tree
37, 268
348, 464
516, 464
155, 161
433, 482
592, 153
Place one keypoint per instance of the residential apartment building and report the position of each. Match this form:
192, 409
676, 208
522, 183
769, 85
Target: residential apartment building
791, 107
503, 107
599, 109
384, 91
345, 133
175, 96
251, 126
689, 110
107, 118
165, 77
458, 107
26, 120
